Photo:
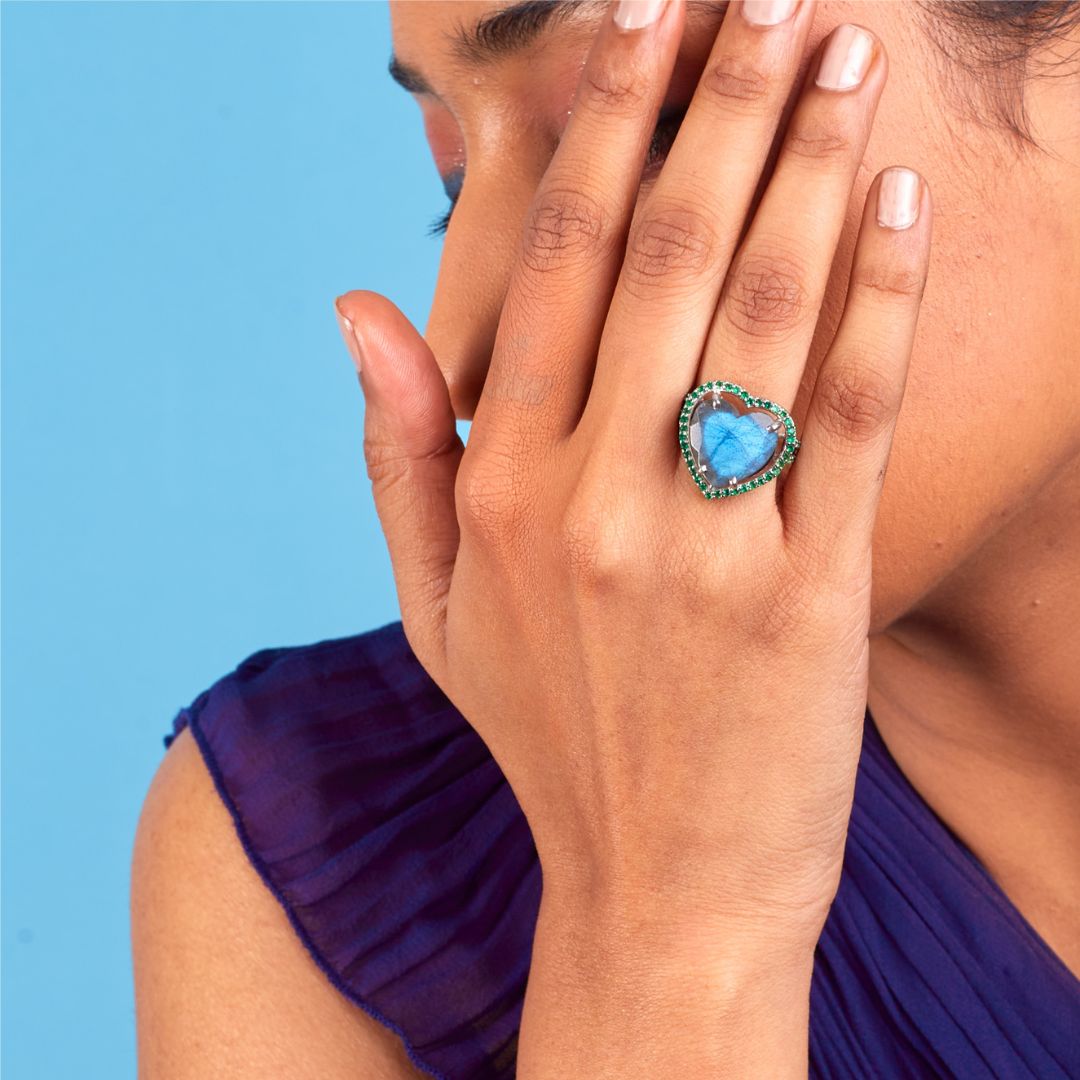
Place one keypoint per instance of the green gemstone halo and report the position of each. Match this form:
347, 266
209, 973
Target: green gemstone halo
788, 446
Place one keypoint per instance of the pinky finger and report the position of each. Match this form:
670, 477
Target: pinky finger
830, 499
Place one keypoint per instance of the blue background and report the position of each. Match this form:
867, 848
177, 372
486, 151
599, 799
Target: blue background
186, 187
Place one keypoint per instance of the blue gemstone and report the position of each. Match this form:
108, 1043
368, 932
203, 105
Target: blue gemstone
729, 445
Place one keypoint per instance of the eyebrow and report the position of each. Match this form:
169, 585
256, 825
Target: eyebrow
500, 33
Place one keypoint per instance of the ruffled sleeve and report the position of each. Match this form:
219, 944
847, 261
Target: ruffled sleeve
377, 817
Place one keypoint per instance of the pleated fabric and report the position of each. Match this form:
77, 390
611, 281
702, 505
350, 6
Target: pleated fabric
379, 820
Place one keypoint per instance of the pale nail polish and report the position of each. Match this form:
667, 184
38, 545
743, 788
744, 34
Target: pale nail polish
899, 194
846, 59
348, 332
767, 12
635, 14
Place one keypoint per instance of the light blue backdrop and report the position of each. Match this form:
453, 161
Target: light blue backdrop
186, 187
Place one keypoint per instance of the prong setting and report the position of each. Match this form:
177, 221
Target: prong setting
789, 444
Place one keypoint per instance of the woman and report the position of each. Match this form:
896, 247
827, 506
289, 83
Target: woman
792, 813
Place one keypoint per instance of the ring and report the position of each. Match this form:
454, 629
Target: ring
733, 442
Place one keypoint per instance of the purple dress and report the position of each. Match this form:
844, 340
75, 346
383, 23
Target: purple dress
378, 818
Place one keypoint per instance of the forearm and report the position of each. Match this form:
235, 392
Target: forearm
621, 990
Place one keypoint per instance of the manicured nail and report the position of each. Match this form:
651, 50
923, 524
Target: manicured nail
348, 332
846, 59
898, 198
634, 14
767, 12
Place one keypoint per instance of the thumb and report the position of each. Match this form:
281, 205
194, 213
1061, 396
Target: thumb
412, 451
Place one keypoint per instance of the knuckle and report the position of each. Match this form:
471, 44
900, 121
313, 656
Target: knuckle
671, 245
888, 284
732, 83
614, 88
828, 592
854, 401
386, 464
818, 142
836, 575
765, 296
596, 546
803, 600
802, 533
563, 226
491, 507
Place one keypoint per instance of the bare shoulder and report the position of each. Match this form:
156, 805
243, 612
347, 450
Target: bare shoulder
223, 985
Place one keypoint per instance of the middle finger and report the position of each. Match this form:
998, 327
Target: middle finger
686, 229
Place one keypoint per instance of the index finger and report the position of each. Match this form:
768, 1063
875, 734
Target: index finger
571, 244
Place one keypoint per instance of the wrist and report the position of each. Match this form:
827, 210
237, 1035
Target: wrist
737, 952
687, 922
620, 988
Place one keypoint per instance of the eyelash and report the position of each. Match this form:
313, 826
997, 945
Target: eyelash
440, 224
667, 127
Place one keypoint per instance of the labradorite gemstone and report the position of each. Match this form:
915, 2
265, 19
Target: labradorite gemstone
728, 444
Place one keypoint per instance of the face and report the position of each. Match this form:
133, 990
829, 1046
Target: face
992, 407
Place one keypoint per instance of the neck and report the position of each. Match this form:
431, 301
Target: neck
977, 694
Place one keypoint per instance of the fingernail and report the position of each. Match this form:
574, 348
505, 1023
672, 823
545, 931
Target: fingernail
767, 12
846, 59
898, 198
634, 14
348, 332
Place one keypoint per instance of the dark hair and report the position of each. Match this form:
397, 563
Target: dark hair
1000, 45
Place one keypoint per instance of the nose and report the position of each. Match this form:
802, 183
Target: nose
479, 250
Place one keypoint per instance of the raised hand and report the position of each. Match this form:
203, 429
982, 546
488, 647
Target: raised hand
673, 686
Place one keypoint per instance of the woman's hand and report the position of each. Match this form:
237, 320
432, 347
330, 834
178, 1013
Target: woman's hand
673, 686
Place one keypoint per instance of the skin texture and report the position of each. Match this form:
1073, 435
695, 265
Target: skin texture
976, 550
972, 676
607, 636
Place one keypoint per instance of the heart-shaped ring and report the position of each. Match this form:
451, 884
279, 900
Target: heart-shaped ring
733, 442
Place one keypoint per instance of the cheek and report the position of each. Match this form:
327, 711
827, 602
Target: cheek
990, 412
478, 255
